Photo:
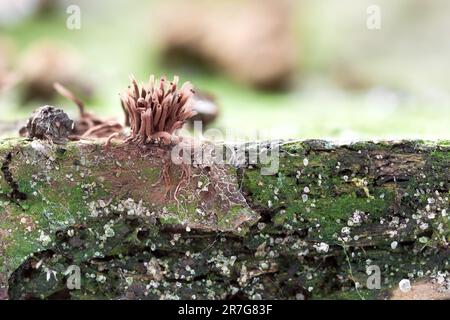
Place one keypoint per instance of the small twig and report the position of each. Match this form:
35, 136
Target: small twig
108, 141
69, 95
351, 272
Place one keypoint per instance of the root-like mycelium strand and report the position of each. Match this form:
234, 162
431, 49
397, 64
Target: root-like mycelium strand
156, 110
88, 125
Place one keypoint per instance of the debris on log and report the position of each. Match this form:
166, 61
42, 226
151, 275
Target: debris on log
49, 123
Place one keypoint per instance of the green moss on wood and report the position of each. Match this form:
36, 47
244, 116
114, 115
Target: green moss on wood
326, 215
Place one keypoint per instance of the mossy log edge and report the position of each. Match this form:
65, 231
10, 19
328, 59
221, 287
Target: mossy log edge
309, 231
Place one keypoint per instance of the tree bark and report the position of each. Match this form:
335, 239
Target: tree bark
139, 226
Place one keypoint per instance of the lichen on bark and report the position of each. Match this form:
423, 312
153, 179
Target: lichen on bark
308, 231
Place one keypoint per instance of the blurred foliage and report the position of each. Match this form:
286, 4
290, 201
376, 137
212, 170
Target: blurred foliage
351, 82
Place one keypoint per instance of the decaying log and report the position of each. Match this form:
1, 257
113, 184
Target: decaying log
139, 226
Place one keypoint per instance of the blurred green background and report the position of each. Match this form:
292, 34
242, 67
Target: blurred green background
348, 82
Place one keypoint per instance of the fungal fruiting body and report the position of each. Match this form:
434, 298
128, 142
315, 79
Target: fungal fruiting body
157, 110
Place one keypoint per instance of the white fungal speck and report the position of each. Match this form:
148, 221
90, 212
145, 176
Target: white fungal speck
44, 238
100, 278
356, 219
306, 190
405, 285
305, 162
256, 296
394, 245
109, 232
322, 247
304, 197
345, 230
423, 226
423, 240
